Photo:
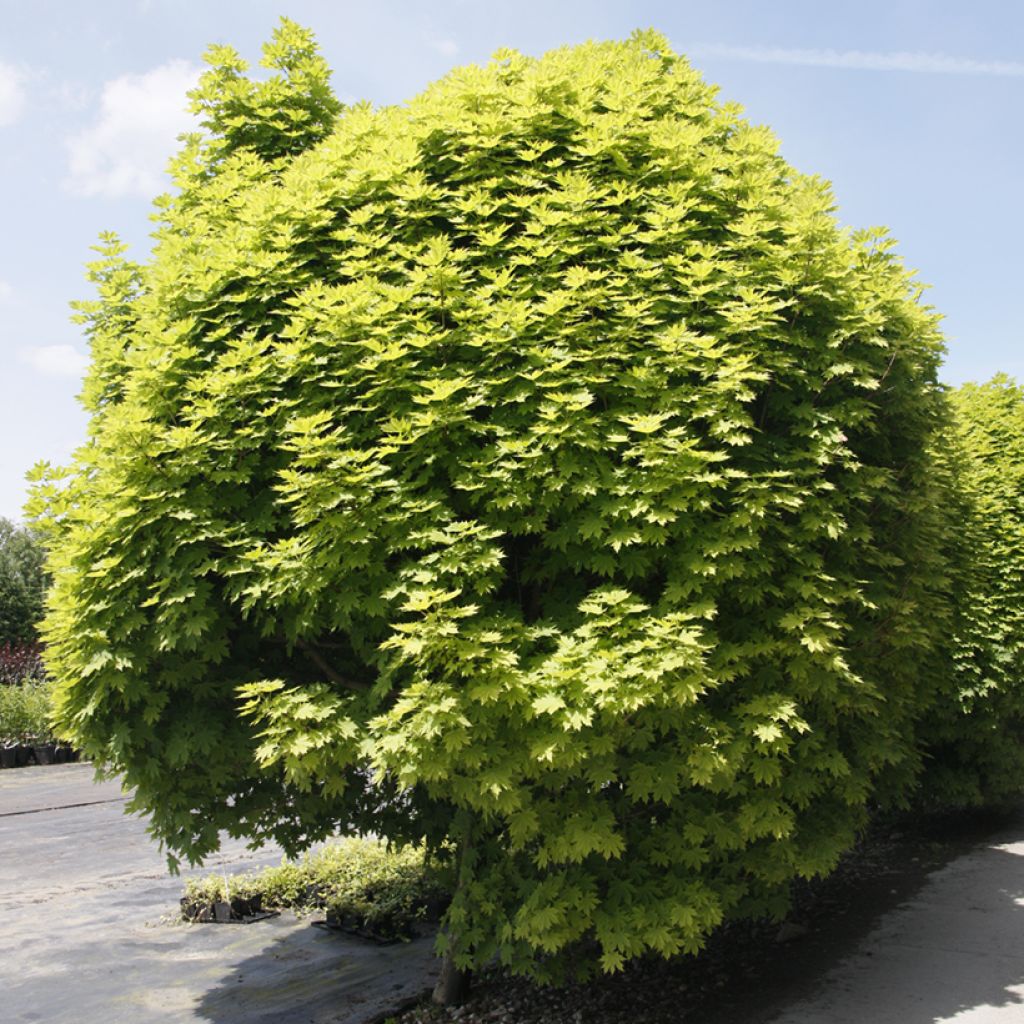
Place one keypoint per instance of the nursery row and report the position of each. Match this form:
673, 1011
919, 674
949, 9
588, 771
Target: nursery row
25, 712
361, 886
21, 755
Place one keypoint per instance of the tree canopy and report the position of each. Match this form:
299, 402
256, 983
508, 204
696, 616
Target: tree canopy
536, 468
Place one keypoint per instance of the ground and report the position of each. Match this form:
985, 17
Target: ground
86, 906
922, 925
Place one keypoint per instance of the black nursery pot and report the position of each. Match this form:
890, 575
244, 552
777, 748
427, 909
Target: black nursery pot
22, 755
45, 752
9, 755
246, 906
60, 754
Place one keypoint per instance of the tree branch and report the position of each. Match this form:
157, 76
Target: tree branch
314, 656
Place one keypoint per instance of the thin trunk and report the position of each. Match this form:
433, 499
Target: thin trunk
453, 983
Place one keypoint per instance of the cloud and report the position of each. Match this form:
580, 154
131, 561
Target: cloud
55, 360
125, 150
12, 94
867, 60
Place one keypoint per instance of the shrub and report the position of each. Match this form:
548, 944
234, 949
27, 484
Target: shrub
25, 711
536, 468
360, 882
20, 662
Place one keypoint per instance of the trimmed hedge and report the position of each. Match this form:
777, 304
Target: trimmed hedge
536, 468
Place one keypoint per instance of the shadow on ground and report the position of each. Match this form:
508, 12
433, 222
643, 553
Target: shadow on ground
924, 923
955, 950
312, 975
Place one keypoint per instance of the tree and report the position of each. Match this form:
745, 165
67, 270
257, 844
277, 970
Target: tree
976, 733
536, 469
23, 583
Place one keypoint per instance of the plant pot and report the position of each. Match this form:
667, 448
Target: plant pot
9, 755
60, 754
195, 911
23, 754
221, 911
44, 752
246, 906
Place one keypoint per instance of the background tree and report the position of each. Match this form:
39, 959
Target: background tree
976, 735
23, 582
536, 469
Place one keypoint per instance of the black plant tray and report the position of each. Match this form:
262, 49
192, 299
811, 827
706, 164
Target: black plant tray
248, 919
332, 925
241, 912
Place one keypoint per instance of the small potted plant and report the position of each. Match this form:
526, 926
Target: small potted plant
43, 750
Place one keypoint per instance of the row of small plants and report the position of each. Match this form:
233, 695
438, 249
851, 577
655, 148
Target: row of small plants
26, 736
360, 885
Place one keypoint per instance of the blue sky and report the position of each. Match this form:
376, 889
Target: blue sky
911, 109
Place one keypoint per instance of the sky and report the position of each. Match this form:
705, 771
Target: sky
910, 108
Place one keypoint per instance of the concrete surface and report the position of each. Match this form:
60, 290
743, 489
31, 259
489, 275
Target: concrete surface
952, 952
87, 908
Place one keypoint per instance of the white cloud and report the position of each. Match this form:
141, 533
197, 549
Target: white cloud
125, 150
56, 360
12, 94
867, 60
445, 47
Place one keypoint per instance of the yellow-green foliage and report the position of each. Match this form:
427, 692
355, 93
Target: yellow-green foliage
383, 891
977, 735
536, 467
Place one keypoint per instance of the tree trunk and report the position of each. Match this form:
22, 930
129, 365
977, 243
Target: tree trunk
452, 985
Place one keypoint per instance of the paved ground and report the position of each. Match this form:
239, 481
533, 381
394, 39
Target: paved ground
952, 952
85, 900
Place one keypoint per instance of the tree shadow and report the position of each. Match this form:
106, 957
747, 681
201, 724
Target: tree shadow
934, 929
921, 926
307, 974
957, 947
